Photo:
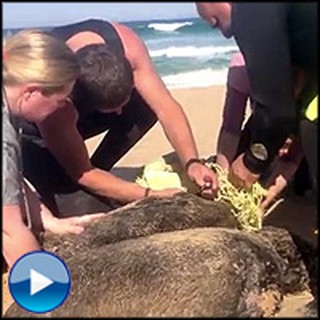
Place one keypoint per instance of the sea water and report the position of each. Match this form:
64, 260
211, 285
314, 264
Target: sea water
186, 53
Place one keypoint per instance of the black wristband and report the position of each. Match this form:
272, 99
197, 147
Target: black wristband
193, 160
254, 164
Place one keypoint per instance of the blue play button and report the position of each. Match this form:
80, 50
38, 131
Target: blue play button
39, 281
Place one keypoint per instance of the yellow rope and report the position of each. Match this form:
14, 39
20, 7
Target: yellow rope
244, 203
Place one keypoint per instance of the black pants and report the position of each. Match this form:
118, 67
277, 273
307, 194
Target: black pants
62, 195
309, 138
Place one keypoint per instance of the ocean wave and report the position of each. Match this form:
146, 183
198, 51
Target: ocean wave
169, 27
196, 79
192, 51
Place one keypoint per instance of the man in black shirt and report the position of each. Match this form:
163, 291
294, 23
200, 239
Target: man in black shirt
119, 94
279, 43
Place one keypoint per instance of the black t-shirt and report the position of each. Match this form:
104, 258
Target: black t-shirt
275, 38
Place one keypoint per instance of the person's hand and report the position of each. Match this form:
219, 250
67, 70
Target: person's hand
169, 192
70, 225
282, 172
284, 150
273, 192
204, 177
223, 161
240, 176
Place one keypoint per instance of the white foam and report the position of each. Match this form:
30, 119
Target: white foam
196, 79
192, 51
169, 27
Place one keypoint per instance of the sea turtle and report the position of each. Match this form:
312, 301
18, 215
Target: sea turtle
183, 257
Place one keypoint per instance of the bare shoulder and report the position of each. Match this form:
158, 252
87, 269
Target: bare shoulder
125, 33
134, 47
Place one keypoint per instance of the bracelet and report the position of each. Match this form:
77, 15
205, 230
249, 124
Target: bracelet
193, 160
147, 192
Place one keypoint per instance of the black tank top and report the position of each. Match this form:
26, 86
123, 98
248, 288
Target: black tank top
100, 27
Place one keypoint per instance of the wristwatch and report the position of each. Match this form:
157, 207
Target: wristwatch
259, 151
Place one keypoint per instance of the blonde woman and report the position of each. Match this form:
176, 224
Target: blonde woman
38, 72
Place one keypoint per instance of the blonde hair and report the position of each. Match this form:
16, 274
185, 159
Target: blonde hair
36, 56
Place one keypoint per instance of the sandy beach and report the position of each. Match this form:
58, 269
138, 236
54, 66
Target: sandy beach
203, 107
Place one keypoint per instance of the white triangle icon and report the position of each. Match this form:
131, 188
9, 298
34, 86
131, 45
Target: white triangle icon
38, 282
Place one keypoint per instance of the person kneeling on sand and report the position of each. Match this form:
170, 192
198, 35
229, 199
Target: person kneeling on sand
38, 73
119, 91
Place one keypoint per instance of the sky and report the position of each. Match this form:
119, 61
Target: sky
41, 14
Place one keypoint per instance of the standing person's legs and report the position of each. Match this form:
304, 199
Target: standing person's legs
309, 139
301, 181
245, 137
134, 122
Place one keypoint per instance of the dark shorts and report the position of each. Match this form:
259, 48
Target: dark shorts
62, 195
